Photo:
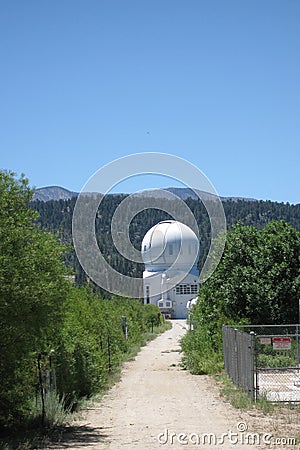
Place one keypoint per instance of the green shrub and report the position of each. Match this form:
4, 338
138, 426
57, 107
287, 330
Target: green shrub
92, 342
199, 355
278, 360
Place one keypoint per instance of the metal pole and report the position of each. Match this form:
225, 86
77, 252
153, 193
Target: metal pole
297, 381
297, 343
253, 383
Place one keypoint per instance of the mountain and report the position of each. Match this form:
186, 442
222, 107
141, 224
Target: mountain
56, 216
185, 193
46, 194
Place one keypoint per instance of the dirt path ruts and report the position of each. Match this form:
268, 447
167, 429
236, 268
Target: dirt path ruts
154, 399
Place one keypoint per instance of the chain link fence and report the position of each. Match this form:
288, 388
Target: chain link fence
264, 360
238, 351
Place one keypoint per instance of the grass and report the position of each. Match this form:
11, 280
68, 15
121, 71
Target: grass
265, 405
32, 434
201, 362
280, 420
240, 400
56, 411
232, 394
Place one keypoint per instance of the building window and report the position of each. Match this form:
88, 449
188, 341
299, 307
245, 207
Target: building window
183, 289
147, 294
160, 304
168, 304
194, 288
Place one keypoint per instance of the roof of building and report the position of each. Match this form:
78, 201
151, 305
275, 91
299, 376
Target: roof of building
170, 243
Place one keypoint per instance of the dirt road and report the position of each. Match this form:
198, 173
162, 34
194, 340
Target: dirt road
155, 402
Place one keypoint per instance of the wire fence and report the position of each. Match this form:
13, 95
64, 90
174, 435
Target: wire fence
238, 351
264, 360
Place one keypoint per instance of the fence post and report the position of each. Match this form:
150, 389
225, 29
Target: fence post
124, 327
253, 367
52, 372
297, 343
225, 351
39, 356
109, 352
236, 358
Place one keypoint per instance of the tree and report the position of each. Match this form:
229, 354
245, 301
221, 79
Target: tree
32, 294
257, 282
258, 277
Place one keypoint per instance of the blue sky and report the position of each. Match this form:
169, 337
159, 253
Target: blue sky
215, 82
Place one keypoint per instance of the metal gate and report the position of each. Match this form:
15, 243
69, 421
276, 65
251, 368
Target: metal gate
264, 360
277, 376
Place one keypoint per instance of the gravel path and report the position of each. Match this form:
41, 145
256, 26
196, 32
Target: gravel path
154, 402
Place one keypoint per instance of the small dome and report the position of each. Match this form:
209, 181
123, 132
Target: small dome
170, 243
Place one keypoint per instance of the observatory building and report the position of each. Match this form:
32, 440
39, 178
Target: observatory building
170, 252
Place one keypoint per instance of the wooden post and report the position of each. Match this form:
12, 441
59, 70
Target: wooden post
39, 356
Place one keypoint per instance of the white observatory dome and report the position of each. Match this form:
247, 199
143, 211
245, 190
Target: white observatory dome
170, 243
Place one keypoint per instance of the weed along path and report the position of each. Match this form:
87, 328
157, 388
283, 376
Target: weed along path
157, 405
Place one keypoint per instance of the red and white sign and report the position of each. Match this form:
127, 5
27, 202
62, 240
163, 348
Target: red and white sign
282, 343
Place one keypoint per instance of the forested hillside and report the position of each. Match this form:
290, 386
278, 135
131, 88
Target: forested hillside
56, 216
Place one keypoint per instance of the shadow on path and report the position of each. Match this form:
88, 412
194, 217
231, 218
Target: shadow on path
79, 436
72, 437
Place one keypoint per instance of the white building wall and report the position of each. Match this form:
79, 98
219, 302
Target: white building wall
174, 301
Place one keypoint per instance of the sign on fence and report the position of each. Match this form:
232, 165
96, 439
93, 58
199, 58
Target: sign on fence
265, 340
268, 374
282, 343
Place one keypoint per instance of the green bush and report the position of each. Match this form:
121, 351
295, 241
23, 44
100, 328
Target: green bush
92, 343
200, 357
278, 360
152, 316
